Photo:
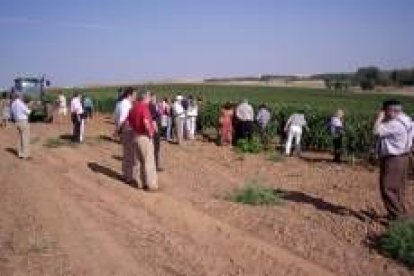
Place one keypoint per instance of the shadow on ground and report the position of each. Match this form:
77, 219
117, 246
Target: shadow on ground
97, 168
12, 151
323, 205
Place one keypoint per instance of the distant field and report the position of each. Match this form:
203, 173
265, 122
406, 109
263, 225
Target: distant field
321, 99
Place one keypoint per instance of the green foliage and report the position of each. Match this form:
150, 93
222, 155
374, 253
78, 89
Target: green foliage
319, 104
255, 194
252, 146
275, 156
56, 142
368, 77
398, 243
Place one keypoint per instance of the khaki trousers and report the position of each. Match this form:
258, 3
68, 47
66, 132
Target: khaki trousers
179, 129
23, 143
145, 163
128, 153
393, 175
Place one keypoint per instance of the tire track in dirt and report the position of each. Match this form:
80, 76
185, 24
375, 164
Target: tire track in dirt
162, 207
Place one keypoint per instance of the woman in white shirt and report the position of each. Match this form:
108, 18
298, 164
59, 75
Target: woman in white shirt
126, 133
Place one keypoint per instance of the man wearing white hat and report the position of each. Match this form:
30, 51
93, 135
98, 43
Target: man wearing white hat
179, 118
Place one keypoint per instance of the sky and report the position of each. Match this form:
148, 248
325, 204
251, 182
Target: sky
79, 42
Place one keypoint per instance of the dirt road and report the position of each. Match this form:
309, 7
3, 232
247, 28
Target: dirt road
66, 213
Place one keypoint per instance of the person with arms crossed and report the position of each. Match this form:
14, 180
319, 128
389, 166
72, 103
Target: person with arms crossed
394, 130
20, 115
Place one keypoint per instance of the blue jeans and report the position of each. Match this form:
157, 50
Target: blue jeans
169, 129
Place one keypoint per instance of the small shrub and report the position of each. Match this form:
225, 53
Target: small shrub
255, 194
54, 143
249, 146
275, 156
398, 242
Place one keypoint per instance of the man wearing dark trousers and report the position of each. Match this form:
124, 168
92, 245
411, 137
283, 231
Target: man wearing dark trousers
76, 110
395, 132
156, 120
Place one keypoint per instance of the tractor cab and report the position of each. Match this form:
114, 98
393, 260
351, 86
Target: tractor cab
33, 90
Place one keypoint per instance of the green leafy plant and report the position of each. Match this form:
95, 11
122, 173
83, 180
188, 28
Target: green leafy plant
275, 156
255, 194
319, 105
249, 146
398, 242
54, 143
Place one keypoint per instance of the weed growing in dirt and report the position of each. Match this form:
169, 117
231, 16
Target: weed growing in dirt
34, 140
275, 156
398, 242
53, 143
249, 146
255, 194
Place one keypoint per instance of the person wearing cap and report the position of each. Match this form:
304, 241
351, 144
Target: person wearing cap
76, 110
394, 129
124, 130
294, 129
337, 132
20, 115
179, 118
245, 119
140, 120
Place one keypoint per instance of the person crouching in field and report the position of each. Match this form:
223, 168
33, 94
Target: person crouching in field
294, 129
395, 132
140, 120
226, 124
20, 115
262, 119
76, 110
337, 133
124, 130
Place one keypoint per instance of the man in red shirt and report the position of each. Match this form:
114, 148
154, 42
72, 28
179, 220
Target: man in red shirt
140, 120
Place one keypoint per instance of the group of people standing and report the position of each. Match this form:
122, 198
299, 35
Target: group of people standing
181, 118
237, 122
81, 109
141, 123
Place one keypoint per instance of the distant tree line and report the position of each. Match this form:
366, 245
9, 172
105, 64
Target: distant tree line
368, 78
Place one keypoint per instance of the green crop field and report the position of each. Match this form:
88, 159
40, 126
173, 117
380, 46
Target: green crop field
318, 105
327, 100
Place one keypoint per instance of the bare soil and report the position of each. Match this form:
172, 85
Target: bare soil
66, 213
